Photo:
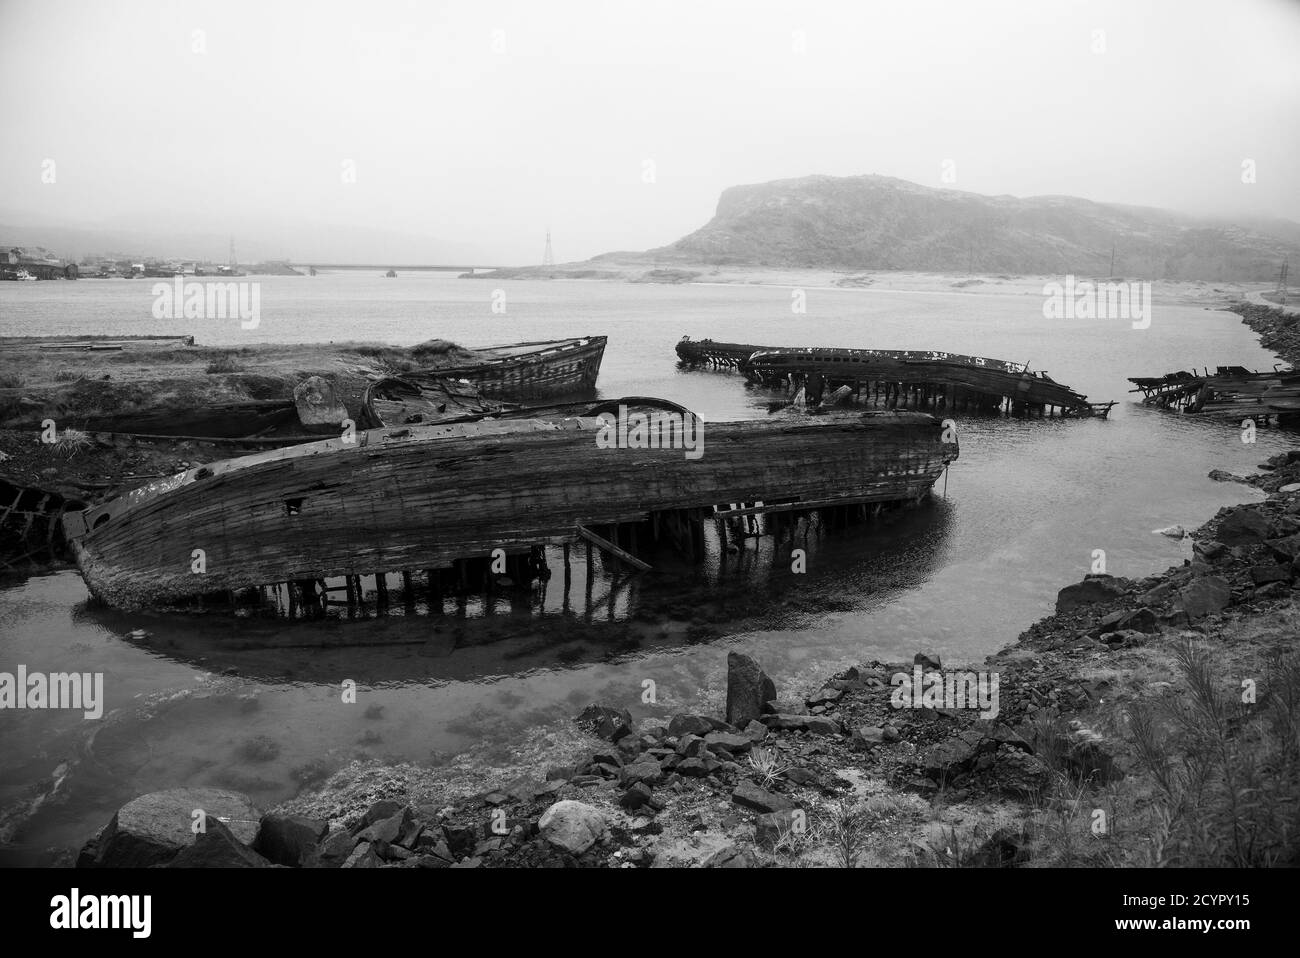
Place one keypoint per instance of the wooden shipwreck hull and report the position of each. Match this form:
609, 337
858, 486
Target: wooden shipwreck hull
422, 497
912, 377
1233, 392
528, 370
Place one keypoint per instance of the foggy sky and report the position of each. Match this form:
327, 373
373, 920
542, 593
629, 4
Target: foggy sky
484, 123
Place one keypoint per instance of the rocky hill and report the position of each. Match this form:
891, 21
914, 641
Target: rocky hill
878, 222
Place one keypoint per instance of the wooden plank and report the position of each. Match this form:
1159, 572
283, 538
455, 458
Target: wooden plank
607, 546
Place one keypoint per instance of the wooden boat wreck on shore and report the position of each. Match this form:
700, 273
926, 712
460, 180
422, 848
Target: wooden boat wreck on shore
425, 499
897, 379
1233, 392
527, 370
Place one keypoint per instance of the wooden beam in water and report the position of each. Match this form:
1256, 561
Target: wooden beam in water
608, 547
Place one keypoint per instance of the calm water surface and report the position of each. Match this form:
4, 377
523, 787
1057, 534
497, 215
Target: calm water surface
1027, 503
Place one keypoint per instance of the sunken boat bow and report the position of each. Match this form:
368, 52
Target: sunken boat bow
421, 497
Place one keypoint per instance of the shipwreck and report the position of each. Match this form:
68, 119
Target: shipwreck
527, 370
401, 504
896, 379
1233, 392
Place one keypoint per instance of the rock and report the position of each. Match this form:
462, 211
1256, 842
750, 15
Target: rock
1211, 549
927, 663
1222, 475
1173, 532
388, 830
336, 848
363, 856
385, 808
636, 796
725, 740
1290, 487
756, 731
749, 795
154, 828
800, 776
771, 828
825, 696
820, 725
1139, 620
1094, 588
1274, 590
698, 767
864, 736
692, 746
572, 826
217, 847
290, 839
1157, 595
320, 410
1286, 549
1269, 572
606, 721
1003, 849
1204, 596
689, 725
789, 722
731, 857
1243, 526
640, 772
748, 688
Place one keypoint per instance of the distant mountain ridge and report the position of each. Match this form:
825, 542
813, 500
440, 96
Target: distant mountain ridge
879, 222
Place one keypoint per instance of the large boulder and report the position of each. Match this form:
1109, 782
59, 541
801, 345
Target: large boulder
1243, 526
1094, 588
607, 722
154, 828
1205, 596
572, 826
748, 689
217, 847
290, 840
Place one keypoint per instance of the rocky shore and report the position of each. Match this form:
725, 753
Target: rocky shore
1277, 330
1148, 722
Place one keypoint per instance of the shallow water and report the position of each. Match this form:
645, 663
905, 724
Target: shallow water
255, 705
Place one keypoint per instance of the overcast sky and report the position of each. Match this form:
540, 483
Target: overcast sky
485, 122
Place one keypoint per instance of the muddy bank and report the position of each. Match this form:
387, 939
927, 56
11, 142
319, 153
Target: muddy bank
1147, 722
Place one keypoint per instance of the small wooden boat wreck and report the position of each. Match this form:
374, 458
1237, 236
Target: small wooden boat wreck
528, 370
1233, 392
396, 402
908, 379
424, 497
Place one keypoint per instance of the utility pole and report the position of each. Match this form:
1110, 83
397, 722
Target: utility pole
1282, 282
1111, 274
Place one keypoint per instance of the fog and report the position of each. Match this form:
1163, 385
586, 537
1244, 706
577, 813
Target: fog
296, 126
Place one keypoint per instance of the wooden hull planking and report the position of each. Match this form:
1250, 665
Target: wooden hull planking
529, 370
421, 498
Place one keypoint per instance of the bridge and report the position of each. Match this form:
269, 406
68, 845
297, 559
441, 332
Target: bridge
385, 267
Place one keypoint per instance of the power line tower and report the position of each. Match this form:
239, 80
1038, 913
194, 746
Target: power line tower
548, 258
232, 253
1282, 283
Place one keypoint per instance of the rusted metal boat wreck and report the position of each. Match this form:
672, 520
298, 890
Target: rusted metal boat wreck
420, 499
897, 379
1233, 392
527, 370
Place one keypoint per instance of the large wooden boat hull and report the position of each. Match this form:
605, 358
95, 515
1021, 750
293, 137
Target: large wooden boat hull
937, 371
422, 497
529, 370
